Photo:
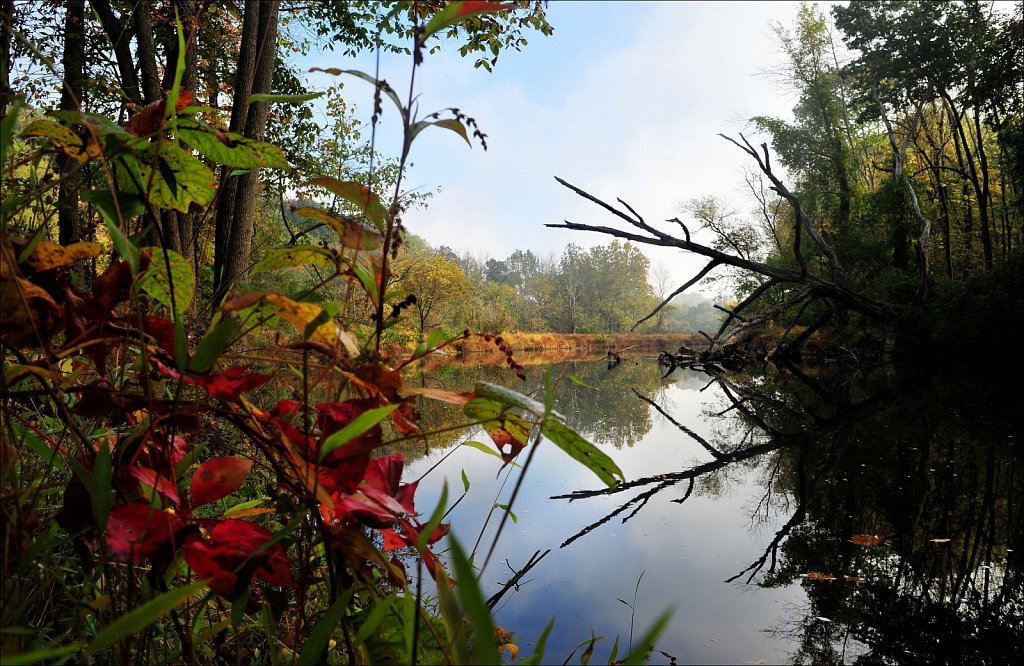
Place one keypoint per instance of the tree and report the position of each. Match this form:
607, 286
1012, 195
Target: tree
236, 208
439, 286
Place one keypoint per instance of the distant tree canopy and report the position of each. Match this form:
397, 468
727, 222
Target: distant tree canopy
603, 289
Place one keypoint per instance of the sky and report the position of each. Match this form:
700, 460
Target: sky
624, 100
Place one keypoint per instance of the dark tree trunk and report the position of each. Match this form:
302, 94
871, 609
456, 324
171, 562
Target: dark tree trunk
179, 227
121, 38
6, 33
237, 206
146, 51
73, 61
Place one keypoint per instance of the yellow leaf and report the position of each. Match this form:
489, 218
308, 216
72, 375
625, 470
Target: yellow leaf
47, 254
301, 314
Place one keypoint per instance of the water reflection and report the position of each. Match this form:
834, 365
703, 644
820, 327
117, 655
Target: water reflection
872, 522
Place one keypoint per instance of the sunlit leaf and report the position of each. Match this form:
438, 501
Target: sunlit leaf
457, 11
63, 138
301, 314
231, 149
358, 195
47, 254
298, 255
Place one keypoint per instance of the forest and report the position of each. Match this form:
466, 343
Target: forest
212, 303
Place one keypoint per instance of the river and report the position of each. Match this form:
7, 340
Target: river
800, 515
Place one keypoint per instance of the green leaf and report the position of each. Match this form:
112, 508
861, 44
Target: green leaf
231, 149
378, 611
593, 458
434, 338
298, 255
157, 284
7, 130
105, 205
485, 651
643, 646
507, 509
576, 380
538, 654
194, 182
358, 195
297, 98
465, 481
507, 396
179, 69
357, 427
480, 446
448, 123
351, 232
212, 344
315, 647
134, 621
61, 136
457, 11
40, 655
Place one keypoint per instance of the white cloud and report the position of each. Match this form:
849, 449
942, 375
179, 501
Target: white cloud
625, 100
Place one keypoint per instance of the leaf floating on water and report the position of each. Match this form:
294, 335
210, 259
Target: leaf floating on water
854, 579
820, 618
867, 540
817, 575
939, 540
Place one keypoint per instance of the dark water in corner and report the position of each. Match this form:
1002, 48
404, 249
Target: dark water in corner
782, 517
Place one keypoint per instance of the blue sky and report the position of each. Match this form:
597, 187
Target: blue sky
624, 100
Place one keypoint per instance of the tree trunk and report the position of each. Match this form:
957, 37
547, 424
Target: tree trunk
146, 51
6, 33
236, 208
120, 37
73, 61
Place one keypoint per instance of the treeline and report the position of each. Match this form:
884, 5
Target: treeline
604, 289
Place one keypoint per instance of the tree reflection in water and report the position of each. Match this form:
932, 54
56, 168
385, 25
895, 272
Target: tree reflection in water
904, 502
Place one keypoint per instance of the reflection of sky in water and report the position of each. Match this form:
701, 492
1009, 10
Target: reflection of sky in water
684, 551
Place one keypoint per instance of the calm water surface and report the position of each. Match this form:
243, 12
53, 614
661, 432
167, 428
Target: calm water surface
782, 517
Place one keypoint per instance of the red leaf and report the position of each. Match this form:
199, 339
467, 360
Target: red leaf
161, 330
136, 531
385, 473
218, 478
234, 554
231, 383
162, 484
392, 540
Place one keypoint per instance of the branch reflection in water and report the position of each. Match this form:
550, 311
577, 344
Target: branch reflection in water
888, 515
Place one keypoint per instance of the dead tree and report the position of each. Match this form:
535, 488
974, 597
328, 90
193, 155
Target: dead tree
788, 290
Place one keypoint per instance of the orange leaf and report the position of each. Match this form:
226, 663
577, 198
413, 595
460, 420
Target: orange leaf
867, 540
817, 575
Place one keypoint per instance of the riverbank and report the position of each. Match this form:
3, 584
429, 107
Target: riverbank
580, 343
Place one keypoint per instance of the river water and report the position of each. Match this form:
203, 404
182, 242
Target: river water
780, 516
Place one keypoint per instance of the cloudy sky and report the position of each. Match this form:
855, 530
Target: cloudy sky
624, 100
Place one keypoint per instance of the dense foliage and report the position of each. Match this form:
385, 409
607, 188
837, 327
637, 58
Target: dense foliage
177, 487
